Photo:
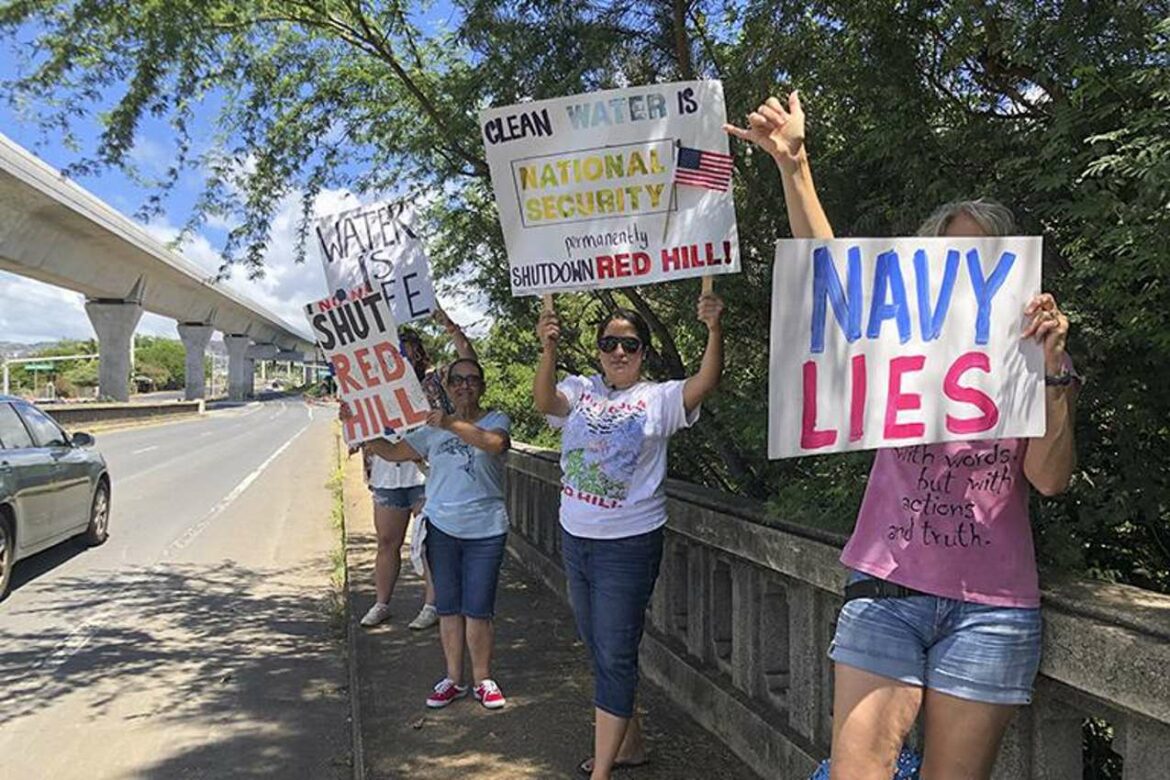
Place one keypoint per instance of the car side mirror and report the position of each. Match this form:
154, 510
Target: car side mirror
82, 439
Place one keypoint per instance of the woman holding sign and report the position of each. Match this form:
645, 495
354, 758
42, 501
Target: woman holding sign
397, 488
613, 460
936, 620
467, 525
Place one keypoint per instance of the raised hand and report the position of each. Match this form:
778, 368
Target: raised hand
438, 418
548, 329
441, 317
777, 130
710, 310
1049, 327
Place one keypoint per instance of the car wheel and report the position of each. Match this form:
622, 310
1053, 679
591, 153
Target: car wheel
99, 516
7, 554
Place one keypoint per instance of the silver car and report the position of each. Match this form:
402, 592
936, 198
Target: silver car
53, 486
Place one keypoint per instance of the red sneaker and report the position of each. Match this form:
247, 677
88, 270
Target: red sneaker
446, 691
488, 694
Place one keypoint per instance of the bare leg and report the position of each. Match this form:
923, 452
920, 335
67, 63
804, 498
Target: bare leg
390, 525
429, 598
962, 737
608, 734
633, 747
481, 642
871, 717
452, 631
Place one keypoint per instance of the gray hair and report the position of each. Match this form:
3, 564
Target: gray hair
992, 216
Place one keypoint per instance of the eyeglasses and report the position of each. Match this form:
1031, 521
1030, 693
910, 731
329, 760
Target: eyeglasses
629, 344
471, 380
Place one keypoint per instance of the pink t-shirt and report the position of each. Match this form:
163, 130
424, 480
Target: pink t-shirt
950, 520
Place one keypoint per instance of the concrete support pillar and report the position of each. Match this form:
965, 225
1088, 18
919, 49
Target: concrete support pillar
114, 323
195, 338
239, 366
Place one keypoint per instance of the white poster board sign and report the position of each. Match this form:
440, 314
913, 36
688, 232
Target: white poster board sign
376, 249
881, 342
360, 339
615, 188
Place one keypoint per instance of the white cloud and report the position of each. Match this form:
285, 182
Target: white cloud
284, 288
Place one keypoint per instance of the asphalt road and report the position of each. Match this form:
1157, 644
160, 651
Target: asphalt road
199, 641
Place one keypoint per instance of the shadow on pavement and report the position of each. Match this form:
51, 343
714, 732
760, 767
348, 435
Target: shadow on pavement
243, 663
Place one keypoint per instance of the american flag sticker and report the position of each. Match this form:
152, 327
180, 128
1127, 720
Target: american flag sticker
696, 168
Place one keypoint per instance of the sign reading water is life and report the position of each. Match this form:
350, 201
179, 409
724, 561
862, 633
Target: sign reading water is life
889, 342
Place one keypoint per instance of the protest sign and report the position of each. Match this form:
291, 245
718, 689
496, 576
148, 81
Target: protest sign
898, 341
615, 188
376, 249
360, 340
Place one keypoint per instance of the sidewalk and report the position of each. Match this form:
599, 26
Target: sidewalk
547, 726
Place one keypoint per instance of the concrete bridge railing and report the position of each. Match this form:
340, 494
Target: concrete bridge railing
745, 608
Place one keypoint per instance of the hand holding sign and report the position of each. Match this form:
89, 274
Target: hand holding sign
1049, 327
548, 329
710, 309
777, 131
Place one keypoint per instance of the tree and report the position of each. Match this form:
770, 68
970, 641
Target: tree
1057, 108
164, 361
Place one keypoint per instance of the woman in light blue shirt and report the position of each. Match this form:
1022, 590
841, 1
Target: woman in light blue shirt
467, 525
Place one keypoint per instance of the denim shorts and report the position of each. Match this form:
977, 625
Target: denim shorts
465, 573
398, 498
971, 651
610, 583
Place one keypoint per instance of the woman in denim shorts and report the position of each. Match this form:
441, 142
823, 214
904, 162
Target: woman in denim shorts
613, 506
942, 609
397, 488
467, 526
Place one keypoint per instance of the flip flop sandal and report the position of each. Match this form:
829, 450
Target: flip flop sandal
586, 763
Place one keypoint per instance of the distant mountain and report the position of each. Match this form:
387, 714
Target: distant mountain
15, 349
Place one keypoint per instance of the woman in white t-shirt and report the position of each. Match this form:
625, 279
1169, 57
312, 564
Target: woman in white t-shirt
613, 505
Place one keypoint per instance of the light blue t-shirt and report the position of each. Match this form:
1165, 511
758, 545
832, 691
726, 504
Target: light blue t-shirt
465, 485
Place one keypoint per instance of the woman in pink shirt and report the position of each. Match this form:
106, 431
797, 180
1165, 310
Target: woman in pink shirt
942, 610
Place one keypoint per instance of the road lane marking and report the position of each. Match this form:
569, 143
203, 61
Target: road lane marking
144, 449
83, 632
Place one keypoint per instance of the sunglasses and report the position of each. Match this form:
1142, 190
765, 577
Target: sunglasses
471, 380
629, 344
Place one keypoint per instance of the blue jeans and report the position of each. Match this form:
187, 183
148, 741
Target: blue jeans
465, 573
971, 651
610, 582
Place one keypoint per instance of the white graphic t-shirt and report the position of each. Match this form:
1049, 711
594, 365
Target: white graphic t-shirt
613, 455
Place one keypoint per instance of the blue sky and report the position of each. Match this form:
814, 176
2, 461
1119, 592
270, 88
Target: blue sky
283, 289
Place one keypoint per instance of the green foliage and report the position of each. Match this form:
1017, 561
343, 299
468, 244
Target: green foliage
1059, 109
162, 360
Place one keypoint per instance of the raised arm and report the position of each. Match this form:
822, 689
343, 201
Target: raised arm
398, 451
779, 131
1049, 461
706, 379
486, 439
463, 346
544, 385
